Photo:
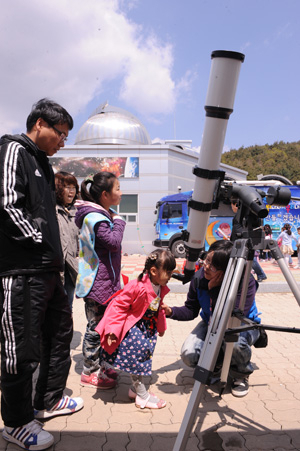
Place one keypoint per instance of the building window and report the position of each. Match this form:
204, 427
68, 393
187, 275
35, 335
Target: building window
128, 207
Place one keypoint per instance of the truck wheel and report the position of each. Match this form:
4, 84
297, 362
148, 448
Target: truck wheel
178, 249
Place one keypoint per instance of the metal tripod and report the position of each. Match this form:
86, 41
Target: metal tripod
238, 269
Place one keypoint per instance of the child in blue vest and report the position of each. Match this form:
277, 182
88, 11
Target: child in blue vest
101, 234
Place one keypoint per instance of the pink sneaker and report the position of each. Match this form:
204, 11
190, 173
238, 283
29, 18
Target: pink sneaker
111, 373
108, 370
97, 380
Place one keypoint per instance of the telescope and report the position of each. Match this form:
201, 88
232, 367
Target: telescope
210, 187
222, 86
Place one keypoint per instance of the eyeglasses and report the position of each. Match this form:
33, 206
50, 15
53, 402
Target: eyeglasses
70, 188
62, 135
211, 267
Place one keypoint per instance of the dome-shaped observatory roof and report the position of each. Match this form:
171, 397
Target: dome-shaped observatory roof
112, 125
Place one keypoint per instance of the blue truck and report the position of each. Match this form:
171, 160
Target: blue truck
172, 217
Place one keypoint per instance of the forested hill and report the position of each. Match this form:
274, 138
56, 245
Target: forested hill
278, 158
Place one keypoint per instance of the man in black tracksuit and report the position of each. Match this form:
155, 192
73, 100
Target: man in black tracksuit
36, 325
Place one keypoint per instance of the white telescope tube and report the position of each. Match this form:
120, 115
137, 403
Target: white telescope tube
222, 86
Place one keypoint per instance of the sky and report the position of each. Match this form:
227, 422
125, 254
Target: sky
153, 59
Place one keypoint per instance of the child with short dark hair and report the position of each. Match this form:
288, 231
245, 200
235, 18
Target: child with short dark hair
66, 190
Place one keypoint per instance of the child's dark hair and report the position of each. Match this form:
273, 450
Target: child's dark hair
267, 229
63, 179
161, 259
287, 228
222, 250
102, 181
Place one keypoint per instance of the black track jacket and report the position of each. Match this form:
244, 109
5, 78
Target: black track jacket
29, 233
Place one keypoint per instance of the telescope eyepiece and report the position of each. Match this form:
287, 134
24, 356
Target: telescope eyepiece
259, 209
251, 199
277, 195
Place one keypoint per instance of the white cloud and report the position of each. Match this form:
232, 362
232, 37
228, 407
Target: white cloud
70, 50
148, 85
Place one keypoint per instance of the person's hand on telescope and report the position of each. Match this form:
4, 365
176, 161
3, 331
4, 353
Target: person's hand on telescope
216, 279
167, 309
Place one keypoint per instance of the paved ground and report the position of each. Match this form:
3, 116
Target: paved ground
268, 418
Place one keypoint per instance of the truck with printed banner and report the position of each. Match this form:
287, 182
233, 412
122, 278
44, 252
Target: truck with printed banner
172, 213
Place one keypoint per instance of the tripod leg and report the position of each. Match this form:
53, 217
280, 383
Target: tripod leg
234, 322
212, 344
277, 255
189, 416
219, 320
289, 278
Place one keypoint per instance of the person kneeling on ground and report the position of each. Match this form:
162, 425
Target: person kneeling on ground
202, 296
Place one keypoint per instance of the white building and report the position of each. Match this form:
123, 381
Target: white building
113, 139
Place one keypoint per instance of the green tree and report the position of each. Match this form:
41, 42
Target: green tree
278, 158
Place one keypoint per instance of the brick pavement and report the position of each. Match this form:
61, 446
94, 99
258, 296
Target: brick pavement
268, 418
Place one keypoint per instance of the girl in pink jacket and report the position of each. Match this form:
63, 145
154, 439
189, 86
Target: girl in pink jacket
131, 322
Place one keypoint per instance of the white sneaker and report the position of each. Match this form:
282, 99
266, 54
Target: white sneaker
31, 436
296, 267
65, 406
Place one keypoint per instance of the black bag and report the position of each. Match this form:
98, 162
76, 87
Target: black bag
262, 341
